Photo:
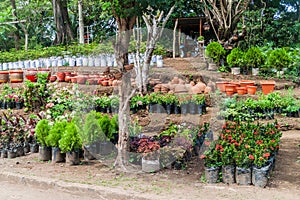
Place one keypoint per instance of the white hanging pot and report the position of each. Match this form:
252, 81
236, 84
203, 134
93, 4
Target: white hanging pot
109, 61
97, 62
48, 63
235, 70
159, 62
59, 62
85, 61
255, 71
71, 62
21, 64
103, 61
4, 66
79, 62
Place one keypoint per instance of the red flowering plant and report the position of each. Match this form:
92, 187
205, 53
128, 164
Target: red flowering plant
211, 156
149, 148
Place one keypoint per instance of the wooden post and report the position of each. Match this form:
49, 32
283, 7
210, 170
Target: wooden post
179, 36
174, 38
200, 26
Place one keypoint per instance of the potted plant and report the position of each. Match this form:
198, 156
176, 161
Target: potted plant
279, 59
105, 145
184, 100
235, 60
42, 131
114, 104
169, 101
150, 155
70, 143
254, 59
199, 100
212, 162
215, 51
201, 39
137, 102
53, 138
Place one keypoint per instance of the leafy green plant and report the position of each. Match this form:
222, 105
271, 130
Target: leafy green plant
235, 58
198, 99
113, 128
104, 123
92, 130
70, 140
56, 133
200, 38
254, 58
42, 130
215, 51
279, 59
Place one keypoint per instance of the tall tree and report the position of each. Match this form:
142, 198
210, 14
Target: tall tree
64, 32
224, 16
16, 32
80, 22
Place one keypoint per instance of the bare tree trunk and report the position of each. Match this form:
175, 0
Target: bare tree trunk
16, 32
64, 32
174, 38
126, 91
154, 32
80, 23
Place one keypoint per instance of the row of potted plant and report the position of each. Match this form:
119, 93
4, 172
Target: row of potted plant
266, 106
170, 103
93, 132
172, 147
245, 151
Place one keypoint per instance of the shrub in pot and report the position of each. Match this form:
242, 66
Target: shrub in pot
279, 59
70, 143
215, 51
103, 139
235, 60
53, 138
42, 131
253, 59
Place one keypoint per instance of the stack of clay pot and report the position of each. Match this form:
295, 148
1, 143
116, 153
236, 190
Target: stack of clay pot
179, 86
241, 87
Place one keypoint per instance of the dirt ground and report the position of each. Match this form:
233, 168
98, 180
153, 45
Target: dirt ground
176, 184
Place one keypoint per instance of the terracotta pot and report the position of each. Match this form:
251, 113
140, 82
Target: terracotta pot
245, 83
230, 87
16, 76
201, 86
81, 79
221, 85
74, 79
68, 78
207, 90
251, 89
230, 91
241, 90
267, 86
67, 73
105, 83
53, 78
61, 76
4, 75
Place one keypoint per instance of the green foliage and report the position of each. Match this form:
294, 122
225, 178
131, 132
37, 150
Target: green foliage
104, 123
254, 58
279, 59
42, 131
215, 51
92, 130
113, 128
235, 58
70, 140
56, 133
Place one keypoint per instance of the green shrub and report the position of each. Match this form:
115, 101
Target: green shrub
104, 123
70, 140
254, 58
235, 58
56, 133
42, 131
279, 59
215, 51
92, 130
